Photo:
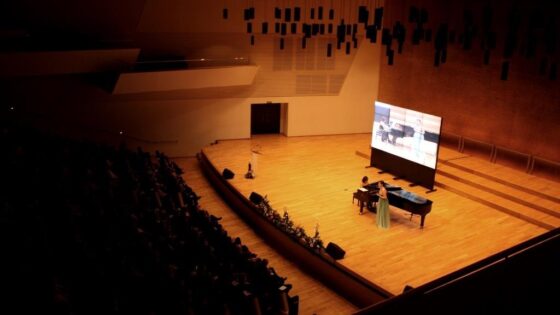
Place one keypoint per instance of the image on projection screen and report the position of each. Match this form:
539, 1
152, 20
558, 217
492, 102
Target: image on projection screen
406, 133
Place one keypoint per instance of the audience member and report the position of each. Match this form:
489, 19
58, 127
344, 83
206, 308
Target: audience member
95, 230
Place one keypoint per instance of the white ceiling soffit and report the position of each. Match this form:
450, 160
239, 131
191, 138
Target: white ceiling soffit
157, 81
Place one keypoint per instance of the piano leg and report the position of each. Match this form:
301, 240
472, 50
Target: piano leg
422, 217
373, 207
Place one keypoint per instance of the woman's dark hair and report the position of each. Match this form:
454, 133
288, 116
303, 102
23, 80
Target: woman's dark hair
364, 179
382, 183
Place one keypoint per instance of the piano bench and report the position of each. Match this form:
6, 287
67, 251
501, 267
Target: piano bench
356, 196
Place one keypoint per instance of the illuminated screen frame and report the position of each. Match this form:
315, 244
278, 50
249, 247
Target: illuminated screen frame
406, 133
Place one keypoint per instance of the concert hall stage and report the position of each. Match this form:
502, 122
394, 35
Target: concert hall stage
473, 216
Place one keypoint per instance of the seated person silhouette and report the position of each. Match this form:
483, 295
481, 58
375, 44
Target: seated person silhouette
384, 129
364, 183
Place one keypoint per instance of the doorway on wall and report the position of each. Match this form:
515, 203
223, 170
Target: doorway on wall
267, 118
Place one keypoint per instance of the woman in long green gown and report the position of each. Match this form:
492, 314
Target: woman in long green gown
382, 218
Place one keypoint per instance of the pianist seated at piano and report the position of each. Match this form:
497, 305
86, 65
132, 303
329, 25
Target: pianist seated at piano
384, 129
364, 200
365, 181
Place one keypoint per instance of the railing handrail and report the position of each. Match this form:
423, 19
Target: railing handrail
502, 148
535, 157
478, 141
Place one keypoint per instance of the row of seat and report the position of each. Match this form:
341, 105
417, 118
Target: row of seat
93, 229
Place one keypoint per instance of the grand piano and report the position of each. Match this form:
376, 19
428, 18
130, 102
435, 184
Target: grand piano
398, 198
400, 131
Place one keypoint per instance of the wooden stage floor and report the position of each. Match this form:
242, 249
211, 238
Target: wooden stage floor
479, 208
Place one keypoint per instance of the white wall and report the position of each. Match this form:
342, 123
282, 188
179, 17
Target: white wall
349, 112
182, 122
181, 127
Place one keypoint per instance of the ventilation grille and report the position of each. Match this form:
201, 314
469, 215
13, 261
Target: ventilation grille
311, 84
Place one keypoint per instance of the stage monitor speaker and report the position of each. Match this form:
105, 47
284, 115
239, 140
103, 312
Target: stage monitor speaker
407, 288
335, 251
227, 173
255, 198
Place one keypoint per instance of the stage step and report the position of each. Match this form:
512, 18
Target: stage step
492, 194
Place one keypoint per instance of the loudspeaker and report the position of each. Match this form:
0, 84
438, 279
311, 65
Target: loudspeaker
407, 288
255, 198
335, 251
227, 173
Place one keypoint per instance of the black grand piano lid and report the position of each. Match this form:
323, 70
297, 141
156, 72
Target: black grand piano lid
408, 195
388, 186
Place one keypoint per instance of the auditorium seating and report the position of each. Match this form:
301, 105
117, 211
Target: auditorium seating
92, 229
